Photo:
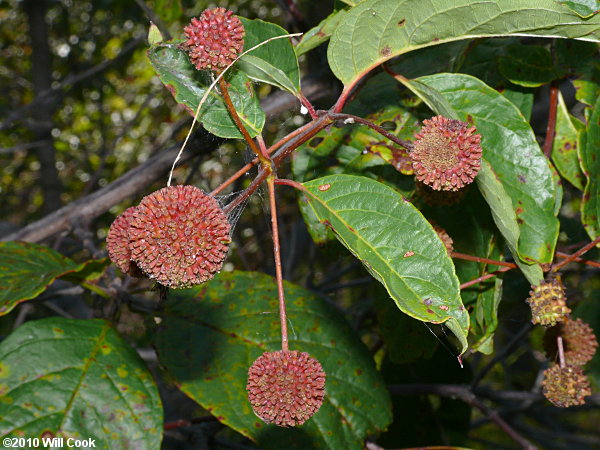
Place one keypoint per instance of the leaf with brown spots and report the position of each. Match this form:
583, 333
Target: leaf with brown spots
352, 53
387, 231
510, 147
319, 34
77, 379
26, 270
590, 163
564, 150
208, 343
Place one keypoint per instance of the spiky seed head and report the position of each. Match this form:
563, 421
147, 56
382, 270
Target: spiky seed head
444, 237
179, 236
117, 244
579, 341
548, 303
565, 386
286, 387
446, 153
214, 40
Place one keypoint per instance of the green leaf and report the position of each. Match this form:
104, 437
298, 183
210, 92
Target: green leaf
564, 150
527, 65
319, 34
154, 35
378, 30
77, 379
355, 149
573, 57
521, 98
189, 85
590, 164
210, 335
432, 98
90, 271
429, 60
472, 229
26, 270
396, 244
509, 145
275, 62
587, 84
505, 218
583, 8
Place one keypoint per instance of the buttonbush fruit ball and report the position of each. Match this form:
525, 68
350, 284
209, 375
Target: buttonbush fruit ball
179, 236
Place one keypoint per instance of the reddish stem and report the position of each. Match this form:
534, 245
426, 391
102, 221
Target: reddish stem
551, 127
291, 183
238, 122
584, 261
319, 125
575, 255
262, 146
349, 118
278, 271
482, 260
308, 105
487, 276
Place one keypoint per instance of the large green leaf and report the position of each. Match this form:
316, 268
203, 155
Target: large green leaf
505, 217
319, 34
396, 244
274, 62
509, 145
378, 30
26, 270
356, 149
210, 335
527, 65
564, 150
77, 379
472, 229
189, 85
590, 163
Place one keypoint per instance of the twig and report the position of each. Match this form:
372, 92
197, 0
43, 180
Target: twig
575, 255
482, 260
584, 261
502, 354
484, 277
23, 147
264, 160
209, 89
464, 393
125, 187
277, 255
551, 127
284, 151
349, 118
270, 150
561, 351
